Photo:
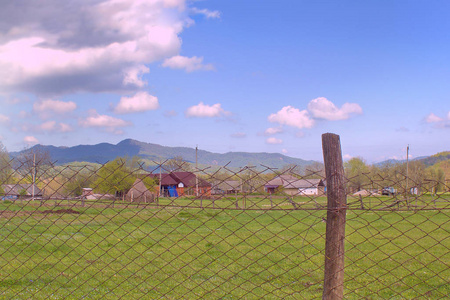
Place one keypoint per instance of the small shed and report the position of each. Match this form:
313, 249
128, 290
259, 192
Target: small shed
87, 192
140, 193
227, 187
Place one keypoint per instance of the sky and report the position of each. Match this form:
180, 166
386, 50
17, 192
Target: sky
228, 75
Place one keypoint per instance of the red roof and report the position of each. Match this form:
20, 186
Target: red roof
175, 178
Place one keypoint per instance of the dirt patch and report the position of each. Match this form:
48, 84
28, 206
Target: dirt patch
10, 213
61, 211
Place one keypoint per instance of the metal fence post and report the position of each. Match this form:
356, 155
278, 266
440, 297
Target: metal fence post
333, 287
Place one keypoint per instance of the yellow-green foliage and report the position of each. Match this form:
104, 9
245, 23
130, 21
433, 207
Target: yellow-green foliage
441, 170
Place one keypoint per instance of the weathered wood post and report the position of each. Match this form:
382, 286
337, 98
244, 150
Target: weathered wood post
333, 287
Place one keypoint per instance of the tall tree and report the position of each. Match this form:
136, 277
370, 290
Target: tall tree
118, 176
291, 169
315, 170
5, 167
33, 164
357, 173
177, 164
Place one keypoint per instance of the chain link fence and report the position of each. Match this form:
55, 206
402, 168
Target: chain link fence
123, 230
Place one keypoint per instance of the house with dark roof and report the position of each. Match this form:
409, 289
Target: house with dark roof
294, 186
20, 191
177, 184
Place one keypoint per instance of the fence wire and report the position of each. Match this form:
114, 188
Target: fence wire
123, 230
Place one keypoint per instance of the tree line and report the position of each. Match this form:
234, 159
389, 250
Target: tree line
117, 176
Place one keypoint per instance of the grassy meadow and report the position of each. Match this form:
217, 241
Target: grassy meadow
177, 250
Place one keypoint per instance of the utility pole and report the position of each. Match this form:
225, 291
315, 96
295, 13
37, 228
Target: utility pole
159, 185
34, 176
196, 170
407, 168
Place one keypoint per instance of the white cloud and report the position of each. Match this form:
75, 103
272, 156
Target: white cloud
274, 141
48, 127
438, 121
284, 151
322, 108
402, 129
205, 111
432, 118
55, 106
292, 116
141, 101
207, 13
347, 157
30, 140
4, 119
273, 130
23, 114
133, 76
65, 127
189, 64
93, 46
104, 121
52, 126
300, 134
239, 135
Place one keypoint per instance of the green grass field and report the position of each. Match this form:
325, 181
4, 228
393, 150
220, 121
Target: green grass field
172, 251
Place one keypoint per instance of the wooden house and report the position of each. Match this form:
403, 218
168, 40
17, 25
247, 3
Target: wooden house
20, 191
139, 193
227, 187
177, 184
294, 186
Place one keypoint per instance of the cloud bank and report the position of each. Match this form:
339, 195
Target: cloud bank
189, 64
105, 122
319, 108
140, 102
100, 46
206, 111
439, 122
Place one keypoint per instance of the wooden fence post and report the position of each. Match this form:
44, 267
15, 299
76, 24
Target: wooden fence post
333, 287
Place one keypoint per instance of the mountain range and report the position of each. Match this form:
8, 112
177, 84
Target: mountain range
104, 152
426, 160
154, 154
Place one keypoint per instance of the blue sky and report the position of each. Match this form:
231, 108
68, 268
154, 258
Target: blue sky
226, 75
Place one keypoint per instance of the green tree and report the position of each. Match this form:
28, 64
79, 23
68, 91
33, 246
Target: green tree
177, 164
75, 184
33, 164
356, 171
315, 170
118, 176
291, 169
6, 170
114, 177
416, 175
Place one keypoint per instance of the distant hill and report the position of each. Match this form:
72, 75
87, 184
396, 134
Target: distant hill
437, 161
427, 160
434, 159
104, 152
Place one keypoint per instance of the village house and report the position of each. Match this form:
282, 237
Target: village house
177, 184
227, 187
140, 193
293, 186
20, 191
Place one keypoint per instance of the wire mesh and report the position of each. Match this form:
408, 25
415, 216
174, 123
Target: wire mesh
124, 230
